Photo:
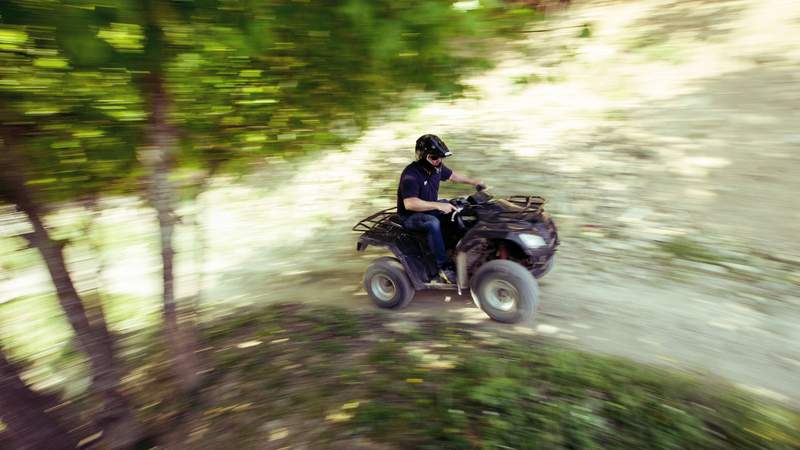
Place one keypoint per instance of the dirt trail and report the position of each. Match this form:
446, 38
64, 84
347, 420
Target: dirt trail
674, 122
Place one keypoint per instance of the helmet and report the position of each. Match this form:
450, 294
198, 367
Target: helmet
430, 144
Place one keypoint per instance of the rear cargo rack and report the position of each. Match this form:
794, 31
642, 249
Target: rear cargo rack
381, 220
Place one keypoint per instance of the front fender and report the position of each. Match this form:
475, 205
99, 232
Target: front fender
480, 233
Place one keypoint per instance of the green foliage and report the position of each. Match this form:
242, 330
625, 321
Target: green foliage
524, 80
245, 78
15, 254
586, 31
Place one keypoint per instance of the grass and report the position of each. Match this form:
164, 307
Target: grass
524, 80
685, 248
324, 377
327, 378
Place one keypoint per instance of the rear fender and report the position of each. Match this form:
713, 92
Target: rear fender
364, 242
415, 269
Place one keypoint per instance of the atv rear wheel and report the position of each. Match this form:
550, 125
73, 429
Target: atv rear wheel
505, 290
387, 284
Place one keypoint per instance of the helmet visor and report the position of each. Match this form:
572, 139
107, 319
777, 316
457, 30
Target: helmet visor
440, 149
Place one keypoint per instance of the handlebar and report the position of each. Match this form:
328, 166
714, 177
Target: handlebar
455, 213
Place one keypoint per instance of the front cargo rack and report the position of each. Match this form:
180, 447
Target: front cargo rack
527, 201
529, 205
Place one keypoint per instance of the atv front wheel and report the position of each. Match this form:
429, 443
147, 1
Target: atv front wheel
387, 284
544, 270
505, 290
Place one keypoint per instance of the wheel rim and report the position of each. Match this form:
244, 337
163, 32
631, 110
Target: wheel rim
383, 287
502, 295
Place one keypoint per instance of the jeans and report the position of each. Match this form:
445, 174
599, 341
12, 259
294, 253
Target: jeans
429, 223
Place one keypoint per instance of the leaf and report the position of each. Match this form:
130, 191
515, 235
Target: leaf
51, 63
12, 39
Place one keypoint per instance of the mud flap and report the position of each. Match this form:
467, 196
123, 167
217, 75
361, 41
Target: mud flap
461, 271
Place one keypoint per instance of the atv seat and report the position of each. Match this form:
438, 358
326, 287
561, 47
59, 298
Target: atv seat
420, 236
395, 219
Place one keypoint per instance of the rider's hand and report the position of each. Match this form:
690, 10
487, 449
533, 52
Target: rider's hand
479, 186
446, 208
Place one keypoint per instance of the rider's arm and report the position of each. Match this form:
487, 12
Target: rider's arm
455, 177
419, 205
410, 191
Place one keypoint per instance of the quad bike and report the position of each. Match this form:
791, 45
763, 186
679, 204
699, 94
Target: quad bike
500, 246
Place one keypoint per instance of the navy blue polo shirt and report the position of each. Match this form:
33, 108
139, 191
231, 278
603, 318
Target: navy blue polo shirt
416, 181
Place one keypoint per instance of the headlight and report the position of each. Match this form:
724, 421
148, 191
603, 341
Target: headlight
532, 240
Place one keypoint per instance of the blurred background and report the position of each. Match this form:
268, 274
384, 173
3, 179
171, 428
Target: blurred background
166, 165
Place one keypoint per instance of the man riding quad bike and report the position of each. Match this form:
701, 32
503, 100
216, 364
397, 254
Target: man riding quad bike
500, 246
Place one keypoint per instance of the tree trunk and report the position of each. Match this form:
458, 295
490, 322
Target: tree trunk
117, 421
158, 154
93, 295
199, 253
24, 413
215, 156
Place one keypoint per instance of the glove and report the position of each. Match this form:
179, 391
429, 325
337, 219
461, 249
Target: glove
480, 186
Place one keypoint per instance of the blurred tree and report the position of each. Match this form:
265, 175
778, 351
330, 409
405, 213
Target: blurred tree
120, 425
84, 82
25, 414
43, 121
158, 154
96, 96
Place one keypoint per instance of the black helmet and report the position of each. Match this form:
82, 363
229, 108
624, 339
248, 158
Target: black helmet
430, 144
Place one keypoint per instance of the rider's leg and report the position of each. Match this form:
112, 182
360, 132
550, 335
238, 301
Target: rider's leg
433, 229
